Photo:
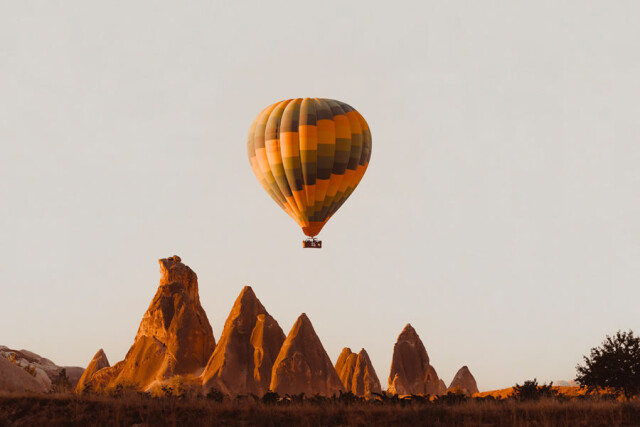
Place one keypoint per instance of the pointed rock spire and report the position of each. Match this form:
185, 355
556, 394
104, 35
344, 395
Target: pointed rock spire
248, 347
365, 380
174, 337
464, 382
303, 365
345, 366
357, 374
411, 372
98, 362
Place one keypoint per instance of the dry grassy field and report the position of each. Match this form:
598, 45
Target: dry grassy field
136, 409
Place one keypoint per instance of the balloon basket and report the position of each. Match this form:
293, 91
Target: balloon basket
312, 242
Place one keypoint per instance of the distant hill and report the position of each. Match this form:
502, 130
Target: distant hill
506, 392
42, 373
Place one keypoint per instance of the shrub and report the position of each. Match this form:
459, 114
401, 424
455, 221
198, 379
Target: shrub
270, 398
531, 390
615, 365
123, 389
215, 395
346, 398
452, 398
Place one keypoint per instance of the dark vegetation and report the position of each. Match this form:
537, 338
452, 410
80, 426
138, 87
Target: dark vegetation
614, 366
531, 390
132, 408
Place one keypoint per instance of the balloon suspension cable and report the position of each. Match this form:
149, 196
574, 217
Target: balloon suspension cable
312, 242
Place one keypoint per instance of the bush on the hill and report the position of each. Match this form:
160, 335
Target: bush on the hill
615, 365
531, 390
270, 398
347, 398
452, 398
215, 395
122, 389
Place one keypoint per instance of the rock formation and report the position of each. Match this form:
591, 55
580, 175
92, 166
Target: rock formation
248, 347
464, 382
98, 362
73, 374
174, 337
42, 369
15, 379
442, 387
357, 374
411, 372
303, 365
345, 366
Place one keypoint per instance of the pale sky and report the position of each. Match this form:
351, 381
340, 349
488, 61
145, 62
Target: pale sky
500, 214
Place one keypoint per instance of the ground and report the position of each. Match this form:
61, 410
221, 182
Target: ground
137, 409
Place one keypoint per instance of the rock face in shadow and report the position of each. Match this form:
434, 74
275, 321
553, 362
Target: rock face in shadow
357, 374
98, 362
411, 372
174, 337
48, 374
15, 379
442, 387
303, 365
248, 347
464, 382
74, 373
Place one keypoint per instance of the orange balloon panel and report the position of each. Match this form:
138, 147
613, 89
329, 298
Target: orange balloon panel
309, 154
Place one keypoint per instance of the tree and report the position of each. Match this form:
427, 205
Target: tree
615, 365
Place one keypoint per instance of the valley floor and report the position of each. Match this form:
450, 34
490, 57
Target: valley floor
135, 409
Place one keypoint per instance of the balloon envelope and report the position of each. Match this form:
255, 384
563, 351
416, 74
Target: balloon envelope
309, 154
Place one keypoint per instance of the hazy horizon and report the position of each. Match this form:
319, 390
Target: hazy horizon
500, 214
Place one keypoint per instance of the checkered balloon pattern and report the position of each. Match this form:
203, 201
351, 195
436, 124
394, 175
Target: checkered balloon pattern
309, 154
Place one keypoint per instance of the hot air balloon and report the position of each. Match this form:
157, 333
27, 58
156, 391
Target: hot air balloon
309, 154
